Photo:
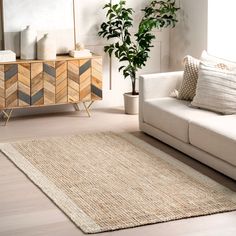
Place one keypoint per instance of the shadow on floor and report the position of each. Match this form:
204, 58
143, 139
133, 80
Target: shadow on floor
196, 165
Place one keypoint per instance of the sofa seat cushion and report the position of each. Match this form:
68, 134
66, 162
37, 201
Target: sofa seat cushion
172, 116
216, 136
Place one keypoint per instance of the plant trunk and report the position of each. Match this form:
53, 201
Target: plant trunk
133, 79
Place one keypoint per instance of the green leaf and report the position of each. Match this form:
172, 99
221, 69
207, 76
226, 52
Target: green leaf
133, 50
121, 68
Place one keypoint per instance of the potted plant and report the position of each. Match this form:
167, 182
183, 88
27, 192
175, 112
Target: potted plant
133, 50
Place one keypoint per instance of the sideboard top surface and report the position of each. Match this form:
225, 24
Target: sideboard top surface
59, 58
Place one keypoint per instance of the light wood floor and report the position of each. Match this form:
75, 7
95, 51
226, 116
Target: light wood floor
26, 211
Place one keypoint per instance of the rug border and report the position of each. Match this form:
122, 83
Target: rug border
81, 219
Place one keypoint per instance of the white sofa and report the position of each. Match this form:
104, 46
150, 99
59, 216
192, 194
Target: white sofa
206, 136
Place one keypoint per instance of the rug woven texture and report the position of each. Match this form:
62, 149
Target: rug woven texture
108, 181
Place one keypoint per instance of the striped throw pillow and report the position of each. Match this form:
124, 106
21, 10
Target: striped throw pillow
216, 88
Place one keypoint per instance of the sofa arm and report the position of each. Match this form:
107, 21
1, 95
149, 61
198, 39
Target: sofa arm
155, 86
159, 85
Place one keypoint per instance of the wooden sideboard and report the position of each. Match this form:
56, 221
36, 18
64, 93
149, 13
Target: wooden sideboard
36, 83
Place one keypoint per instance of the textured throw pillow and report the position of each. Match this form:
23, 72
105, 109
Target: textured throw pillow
188, 86
216, 88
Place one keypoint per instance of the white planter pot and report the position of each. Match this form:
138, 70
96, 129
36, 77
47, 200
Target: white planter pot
131, 103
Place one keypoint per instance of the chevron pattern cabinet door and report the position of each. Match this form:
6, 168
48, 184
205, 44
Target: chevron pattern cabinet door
96, 87
85, 72
49, 76
38, 83
11, 85
73, 81
61, 82
2, 87
37, 97
24, 84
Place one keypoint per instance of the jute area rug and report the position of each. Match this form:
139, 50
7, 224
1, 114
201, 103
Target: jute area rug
109, 181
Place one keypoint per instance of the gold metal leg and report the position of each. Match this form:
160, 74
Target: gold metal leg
91, 103
88, 107
76, 106
7, 115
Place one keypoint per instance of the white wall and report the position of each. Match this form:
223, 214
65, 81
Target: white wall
89, 17
221, 28
190, 35
204, 24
